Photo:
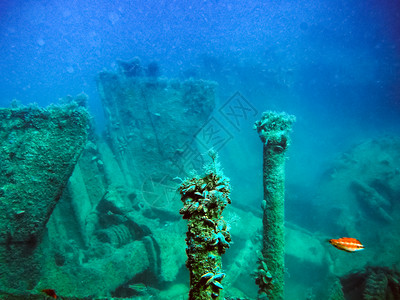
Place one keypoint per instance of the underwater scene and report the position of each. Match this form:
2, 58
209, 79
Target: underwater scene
207, 149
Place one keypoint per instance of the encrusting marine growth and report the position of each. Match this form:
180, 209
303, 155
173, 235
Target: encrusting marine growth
204, 198
273, 129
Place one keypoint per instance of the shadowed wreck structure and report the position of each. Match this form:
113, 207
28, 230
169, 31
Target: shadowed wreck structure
38, 153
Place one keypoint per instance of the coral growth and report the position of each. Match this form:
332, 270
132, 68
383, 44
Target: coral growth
263, 276
208, 237
274, 127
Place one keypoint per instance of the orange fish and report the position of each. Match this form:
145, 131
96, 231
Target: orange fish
50, 292
347, 244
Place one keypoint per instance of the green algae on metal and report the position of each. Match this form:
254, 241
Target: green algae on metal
273, 129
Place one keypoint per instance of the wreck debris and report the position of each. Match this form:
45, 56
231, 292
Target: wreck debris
39, 150
144, 124
336, 292
370, 197
372, 283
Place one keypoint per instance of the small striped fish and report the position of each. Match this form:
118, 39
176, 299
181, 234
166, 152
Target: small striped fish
347, 244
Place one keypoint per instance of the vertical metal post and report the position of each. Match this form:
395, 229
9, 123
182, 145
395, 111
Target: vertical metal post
273, 129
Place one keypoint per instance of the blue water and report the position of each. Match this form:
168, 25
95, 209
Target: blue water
334, 64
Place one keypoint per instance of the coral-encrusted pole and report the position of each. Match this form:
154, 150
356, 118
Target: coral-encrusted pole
273, 129
207, 238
